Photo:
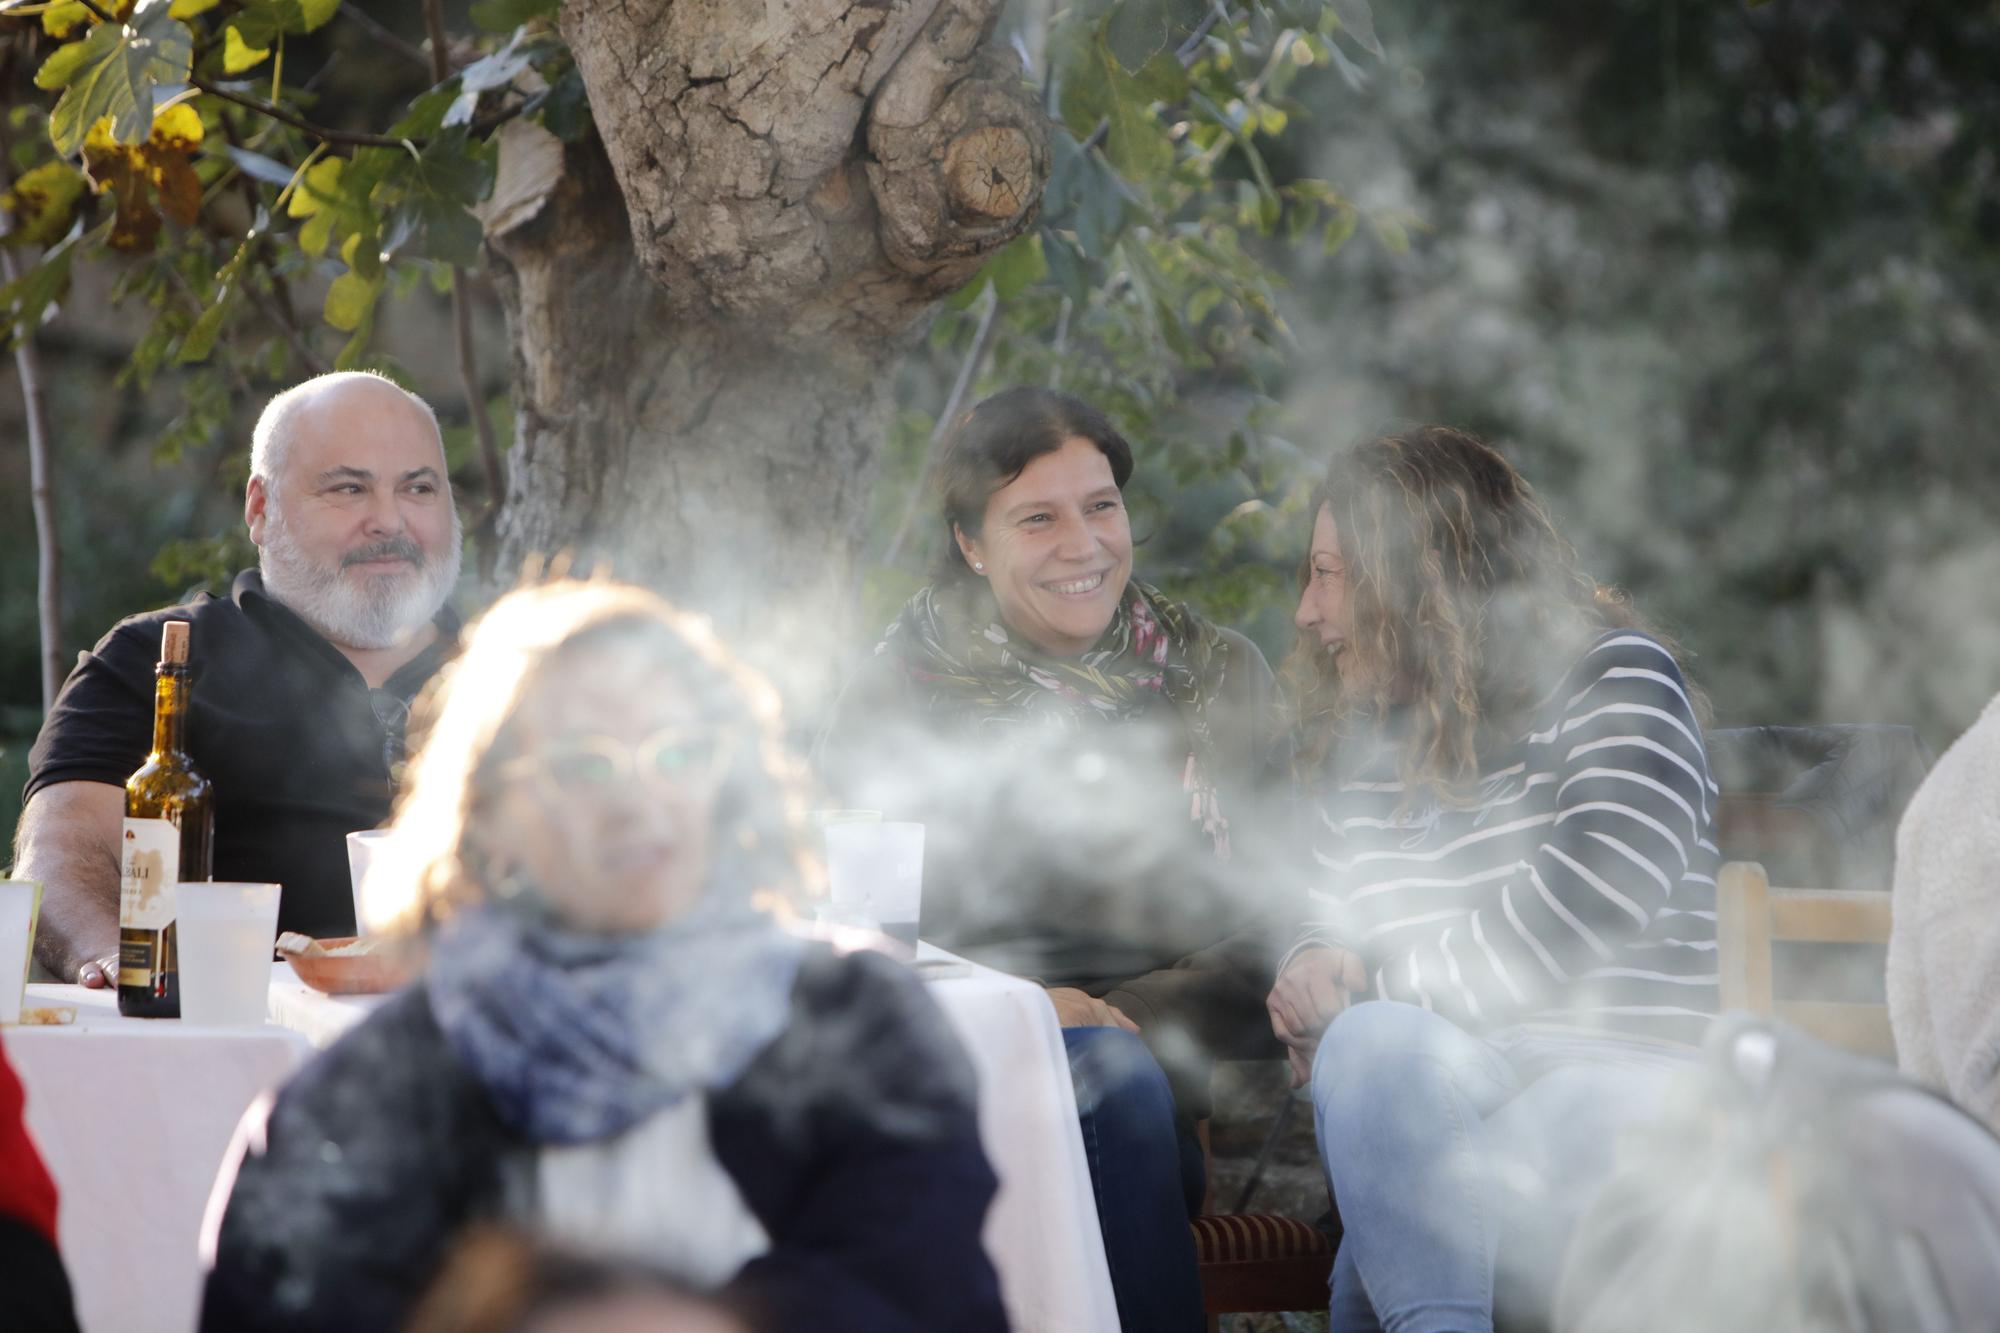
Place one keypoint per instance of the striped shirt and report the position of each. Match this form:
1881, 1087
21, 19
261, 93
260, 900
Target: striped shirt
1580, 889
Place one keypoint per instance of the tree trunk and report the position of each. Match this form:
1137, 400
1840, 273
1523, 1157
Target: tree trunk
708, 306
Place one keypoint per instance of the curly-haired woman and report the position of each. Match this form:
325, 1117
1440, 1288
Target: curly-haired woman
1513, 820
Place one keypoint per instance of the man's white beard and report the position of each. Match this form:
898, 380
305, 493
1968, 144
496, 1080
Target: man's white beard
378, 611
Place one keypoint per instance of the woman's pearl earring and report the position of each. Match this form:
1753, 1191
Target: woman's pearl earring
978, 568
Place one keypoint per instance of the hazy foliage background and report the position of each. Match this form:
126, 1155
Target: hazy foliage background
1721, 278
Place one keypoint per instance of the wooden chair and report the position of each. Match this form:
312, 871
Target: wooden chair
1750, 915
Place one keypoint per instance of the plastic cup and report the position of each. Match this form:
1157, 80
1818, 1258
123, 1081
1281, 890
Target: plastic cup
20, 901
823, 819
226, 935
361, 850
876, 871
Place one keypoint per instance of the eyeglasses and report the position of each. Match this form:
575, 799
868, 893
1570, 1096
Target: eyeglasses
589, 765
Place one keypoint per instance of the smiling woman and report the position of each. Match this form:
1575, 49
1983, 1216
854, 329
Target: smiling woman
1087, 756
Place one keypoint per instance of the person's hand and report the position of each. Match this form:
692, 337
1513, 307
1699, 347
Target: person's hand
1075, 1009
99, 973
1315, 986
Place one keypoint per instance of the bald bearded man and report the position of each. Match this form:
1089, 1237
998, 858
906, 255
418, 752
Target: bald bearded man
303, 676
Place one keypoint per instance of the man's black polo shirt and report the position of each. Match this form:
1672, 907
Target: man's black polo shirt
297, 745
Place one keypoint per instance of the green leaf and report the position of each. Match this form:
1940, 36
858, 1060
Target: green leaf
1340, 230
1137, 145
1162, 78
1395, 237
200, 339
1202, 302
1357, 20
258, 26
564, 109
24, 300
237, 54
362, 252
426, 114
67, 61
187, 9
262, 20
151, 48
507, 15
1016, 268
350, 300
1069, 270
431, 220
316, 13
356, 347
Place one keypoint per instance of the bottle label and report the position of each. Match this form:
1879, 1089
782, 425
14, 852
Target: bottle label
149, 870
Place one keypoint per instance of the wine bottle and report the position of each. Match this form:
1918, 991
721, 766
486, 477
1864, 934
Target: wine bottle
168, 837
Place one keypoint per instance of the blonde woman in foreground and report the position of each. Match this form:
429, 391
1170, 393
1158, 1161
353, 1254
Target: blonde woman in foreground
614, 1045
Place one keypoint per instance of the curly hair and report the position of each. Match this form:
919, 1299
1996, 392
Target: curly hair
468, 722
1467, 605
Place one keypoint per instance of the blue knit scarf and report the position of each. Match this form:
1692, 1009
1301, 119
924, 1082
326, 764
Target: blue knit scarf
577, 1037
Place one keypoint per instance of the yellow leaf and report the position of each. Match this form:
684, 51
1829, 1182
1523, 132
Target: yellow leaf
238, 55
187, 9
317, 234
318, 190
349, 300
177, 129
100, 141
43, 202
60, 20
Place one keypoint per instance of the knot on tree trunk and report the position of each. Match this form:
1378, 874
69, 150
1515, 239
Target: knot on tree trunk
959, 179
991, 173
813, 170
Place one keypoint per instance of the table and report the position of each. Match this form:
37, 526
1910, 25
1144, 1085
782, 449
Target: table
133, 1117
132, 1204
1042, 1231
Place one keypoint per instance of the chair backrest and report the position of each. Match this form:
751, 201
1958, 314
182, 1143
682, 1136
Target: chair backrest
1817, 804
1751, 914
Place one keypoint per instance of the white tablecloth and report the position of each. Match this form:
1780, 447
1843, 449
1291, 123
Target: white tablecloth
133, 1117
132, 1198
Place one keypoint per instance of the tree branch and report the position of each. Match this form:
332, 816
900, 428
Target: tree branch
461, 319
41, 467
1185, 53
298, 122
434, 28
961, 389
383, 35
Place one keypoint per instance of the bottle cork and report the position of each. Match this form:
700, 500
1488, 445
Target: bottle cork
174, 642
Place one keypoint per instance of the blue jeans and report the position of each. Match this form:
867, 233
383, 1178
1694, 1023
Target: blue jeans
1146, 1179
1437, 1143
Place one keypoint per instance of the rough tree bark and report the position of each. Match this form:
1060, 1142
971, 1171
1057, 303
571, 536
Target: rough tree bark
708, 309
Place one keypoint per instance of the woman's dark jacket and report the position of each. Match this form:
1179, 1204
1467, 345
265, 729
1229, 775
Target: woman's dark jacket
853, 1139
1071, 859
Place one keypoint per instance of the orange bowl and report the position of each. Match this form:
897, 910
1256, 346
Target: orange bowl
348, 974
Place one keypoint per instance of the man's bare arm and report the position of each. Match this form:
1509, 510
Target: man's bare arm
68, 839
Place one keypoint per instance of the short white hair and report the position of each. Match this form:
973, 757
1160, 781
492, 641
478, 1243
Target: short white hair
271, 440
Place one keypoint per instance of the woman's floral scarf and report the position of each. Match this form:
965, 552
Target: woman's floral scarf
966, 665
